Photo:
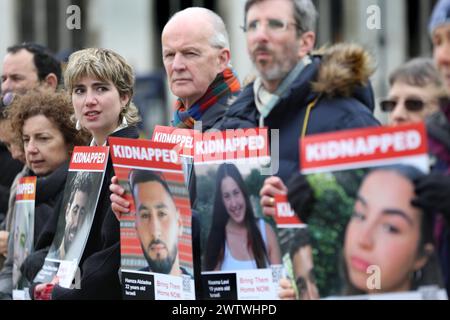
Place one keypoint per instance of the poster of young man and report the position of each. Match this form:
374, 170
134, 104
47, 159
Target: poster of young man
156, 241
23, 233
81, 192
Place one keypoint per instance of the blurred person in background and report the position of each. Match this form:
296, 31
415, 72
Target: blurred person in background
416, 90
26, 66
42, 118
438, 128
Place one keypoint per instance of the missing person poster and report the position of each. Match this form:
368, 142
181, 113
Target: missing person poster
367, 235
296, 250
23, 225
156, 236
240, 251
81, 193
184, 140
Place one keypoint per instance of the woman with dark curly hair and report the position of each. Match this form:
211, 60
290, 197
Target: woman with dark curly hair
42, 119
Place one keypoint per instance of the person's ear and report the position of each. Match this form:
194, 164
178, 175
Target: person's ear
51, 80
422, 260
307, 41
223, 59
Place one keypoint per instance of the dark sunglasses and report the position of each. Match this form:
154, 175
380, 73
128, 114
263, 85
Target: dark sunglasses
413, 105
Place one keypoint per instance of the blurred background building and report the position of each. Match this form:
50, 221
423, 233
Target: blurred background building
133, 29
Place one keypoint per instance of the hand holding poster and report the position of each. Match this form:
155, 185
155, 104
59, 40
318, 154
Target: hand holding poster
156, 242
81, 192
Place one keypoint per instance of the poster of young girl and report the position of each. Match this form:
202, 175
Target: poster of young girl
370, 238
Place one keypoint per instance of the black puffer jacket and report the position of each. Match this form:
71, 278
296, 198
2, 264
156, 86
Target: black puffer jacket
49, 192
338, 78
215, 113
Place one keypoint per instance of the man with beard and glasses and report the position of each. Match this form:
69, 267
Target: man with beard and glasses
76, 211
158, 222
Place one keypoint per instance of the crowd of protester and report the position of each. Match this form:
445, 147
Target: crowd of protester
298, 90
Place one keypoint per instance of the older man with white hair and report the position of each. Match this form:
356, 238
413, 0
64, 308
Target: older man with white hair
196, 56
197, 59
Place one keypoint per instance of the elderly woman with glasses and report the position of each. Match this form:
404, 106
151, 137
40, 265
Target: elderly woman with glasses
416, 90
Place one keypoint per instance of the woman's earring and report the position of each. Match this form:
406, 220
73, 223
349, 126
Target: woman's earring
78, 125
124, 122
124, 119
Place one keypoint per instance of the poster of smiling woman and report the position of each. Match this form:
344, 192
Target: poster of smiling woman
370, 237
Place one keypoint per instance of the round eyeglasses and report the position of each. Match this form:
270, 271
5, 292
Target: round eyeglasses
271, 25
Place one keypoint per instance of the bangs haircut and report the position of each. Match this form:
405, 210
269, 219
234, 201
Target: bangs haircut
102, 64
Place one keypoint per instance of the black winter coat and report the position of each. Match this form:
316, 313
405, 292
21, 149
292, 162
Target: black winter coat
344, 102
49, 193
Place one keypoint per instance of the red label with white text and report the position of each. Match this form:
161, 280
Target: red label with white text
220, 146
285, 217
144, 153
362, 147
26, 189
89, 159
183, 138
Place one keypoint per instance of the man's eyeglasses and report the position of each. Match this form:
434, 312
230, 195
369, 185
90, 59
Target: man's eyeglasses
413, 105
272, 25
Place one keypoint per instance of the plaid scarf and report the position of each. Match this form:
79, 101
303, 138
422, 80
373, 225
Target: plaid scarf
225, 83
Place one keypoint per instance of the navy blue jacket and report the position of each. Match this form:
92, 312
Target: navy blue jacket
345, 102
